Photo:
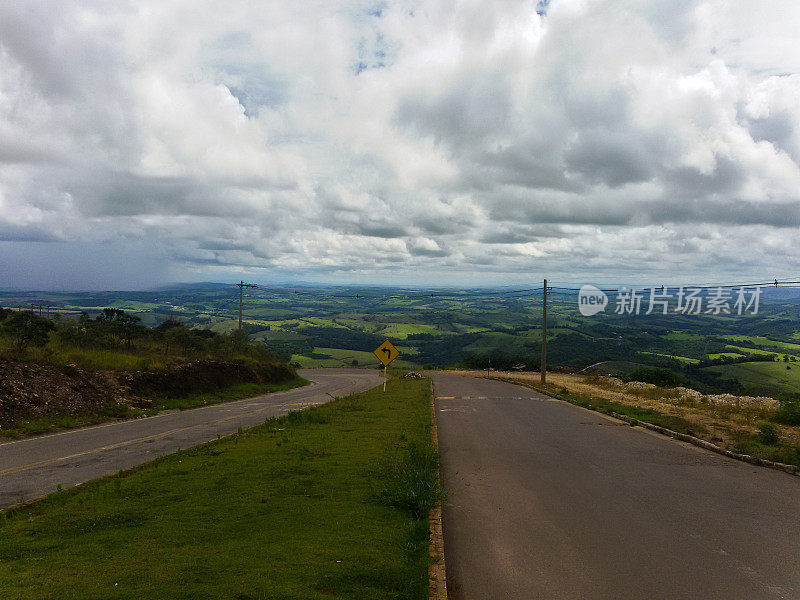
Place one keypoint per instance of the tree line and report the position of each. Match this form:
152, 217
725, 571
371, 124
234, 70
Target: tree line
114, 329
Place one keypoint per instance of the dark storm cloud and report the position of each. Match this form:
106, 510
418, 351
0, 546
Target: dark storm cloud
611, 158
778, 214
20, 233
381, 229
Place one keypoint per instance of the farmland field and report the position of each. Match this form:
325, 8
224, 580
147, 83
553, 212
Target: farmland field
770, 377
335, 326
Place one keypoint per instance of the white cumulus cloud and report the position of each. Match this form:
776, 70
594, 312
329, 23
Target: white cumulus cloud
398, 141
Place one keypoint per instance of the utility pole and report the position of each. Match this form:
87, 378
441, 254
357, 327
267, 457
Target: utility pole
241, 285
544, 334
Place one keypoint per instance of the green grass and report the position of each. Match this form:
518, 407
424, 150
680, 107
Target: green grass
782, 452
768, 377
51, 423
318, 322
401, 331
762, 341
278, 335
683, 359
744, 350
92, 358
647, 415
339, 357
617, 368
679, 336
717, 355
292, 509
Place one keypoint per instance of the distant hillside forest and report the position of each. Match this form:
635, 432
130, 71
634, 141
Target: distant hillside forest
340, 326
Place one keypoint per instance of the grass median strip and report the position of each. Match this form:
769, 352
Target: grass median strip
329, 502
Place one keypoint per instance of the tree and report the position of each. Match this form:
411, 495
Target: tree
118, 325
28, 328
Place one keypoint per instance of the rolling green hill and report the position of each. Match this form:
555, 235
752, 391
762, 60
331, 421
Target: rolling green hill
769, 377
332, 326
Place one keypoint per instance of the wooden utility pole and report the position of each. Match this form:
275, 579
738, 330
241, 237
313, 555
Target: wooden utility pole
544, 334
241, 286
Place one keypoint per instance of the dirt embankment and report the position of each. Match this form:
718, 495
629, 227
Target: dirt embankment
30, 391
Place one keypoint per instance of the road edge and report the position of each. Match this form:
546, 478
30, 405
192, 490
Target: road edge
683, 437
126, 471
437, 579
4, 439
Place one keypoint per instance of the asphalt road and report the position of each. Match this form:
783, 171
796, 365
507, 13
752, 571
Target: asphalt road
33, 467
548, 501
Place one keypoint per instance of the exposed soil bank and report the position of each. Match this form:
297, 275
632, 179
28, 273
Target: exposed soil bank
32, 391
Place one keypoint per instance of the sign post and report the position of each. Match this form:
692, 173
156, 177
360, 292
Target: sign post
386, 353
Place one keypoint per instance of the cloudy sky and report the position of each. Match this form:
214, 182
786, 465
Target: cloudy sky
409, 142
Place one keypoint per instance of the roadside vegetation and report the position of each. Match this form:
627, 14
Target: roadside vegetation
116, 340
75, 371
329, 502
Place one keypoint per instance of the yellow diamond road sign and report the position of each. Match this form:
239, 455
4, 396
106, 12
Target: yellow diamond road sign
386, 353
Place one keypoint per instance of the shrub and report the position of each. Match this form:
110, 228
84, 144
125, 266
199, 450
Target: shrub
789, 412
767, 434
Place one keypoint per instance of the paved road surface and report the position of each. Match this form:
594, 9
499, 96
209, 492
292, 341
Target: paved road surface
552, 501
33, 467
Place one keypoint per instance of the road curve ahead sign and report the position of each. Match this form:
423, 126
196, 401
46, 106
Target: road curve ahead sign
386, 353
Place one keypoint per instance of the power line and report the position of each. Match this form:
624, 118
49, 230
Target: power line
499, 294
774, 283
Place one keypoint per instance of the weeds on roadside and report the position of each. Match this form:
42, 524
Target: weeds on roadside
789, 412
648, 415
310, 415
781, 452
409, 479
